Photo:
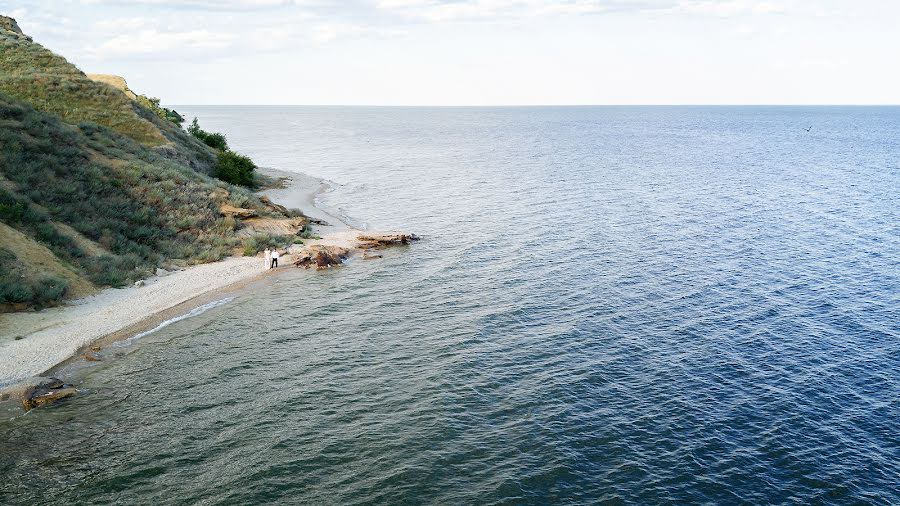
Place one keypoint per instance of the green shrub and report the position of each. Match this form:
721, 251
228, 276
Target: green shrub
15, 291
307, 233
235, 169
49, 290
217, 141
17, 287
214, 140
251, 247
259, 242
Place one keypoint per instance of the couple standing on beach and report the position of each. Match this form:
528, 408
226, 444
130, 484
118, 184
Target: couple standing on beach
272, 258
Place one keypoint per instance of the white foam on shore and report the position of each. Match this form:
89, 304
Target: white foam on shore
190, 314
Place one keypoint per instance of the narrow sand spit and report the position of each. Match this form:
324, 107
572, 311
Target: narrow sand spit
50, 337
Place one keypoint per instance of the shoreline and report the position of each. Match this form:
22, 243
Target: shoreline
53, 339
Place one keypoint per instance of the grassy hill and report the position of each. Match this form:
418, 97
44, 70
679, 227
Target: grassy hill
96, 190
48, 82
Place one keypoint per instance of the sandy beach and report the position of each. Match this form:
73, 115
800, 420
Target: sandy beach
31, 343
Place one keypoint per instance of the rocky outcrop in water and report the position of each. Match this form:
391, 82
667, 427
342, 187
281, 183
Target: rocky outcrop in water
375, 241
335, 250
49, 390
321, 256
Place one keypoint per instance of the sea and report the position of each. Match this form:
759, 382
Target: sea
609, 305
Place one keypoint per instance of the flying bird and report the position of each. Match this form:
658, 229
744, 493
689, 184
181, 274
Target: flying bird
808, 129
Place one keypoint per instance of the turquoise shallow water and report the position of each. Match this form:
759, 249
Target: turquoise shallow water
640, 305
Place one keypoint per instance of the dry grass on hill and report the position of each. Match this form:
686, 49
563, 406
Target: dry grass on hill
51, 84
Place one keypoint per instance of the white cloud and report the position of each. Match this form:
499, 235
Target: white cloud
330, 31
117, 25
326, 32
449, 10
148, 42
203, 4
443, 10
728, 8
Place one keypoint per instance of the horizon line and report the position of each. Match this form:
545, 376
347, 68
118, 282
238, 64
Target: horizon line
539, 105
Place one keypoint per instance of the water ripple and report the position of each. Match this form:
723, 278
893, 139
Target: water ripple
613, 305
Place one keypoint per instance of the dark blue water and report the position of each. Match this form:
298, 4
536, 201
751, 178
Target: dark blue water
634, 305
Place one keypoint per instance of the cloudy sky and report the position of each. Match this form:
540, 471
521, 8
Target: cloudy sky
481, 52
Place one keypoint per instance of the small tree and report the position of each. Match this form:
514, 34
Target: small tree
194, 129
214, 140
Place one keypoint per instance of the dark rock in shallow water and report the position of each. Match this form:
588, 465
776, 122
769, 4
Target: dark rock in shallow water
48, 391
322, 257
375, 241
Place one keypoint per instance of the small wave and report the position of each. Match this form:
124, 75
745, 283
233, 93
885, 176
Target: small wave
197, 311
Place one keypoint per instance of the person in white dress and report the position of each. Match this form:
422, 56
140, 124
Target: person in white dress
268, 259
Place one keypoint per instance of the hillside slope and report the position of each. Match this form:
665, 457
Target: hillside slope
96, 190
49, 83
117, 82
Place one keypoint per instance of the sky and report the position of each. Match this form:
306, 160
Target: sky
481, 52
